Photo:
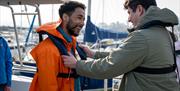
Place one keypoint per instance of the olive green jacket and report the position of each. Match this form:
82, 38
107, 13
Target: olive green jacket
150, 47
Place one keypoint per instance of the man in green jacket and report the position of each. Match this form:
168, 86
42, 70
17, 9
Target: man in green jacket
145, 58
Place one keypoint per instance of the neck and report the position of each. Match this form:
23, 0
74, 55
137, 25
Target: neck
64, 33
65, 29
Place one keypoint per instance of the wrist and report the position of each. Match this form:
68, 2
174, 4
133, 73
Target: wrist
92, 54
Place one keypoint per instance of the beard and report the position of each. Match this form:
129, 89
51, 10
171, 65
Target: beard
71, 28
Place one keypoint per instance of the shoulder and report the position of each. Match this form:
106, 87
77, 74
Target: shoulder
137, 34
136, 39
45, 44
145, 34
1, 38
3, 41
44, 47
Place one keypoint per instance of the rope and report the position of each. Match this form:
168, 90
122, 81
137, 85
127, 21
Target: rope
30, 29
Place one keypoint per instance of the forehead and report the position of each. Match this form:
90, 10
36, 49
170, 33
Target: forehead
79, 12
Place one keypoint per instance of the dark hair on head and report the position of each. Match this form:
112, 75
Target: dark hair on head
134, 3
69, 7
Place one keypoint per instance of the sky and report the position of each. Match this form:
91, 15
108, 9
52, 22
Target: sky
106, 11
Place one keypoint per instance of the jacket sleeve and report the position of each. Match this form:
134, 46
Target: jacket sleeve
8, 59
100, 55
47, 64
120, 61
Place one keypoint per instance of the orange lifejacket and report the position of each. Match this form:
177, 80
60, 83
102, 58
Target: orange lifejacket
49, 63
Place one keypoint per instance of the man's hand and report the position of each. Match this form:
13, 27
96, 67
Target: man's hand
7, 88
69, 61
87, 50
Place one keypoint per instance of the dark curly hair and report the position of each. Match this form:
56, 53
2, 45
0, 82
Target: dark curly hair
134, 3
69, 7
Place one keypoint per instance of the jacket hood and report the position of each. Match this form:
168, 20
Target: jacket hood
51, 28
164, 16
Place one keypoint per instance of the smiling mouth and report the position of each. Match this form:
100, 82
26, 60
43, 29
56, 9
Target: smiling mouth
78, 28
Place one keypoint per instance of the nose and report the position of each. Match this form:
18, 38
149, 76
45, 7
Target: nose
82, 23
129, 19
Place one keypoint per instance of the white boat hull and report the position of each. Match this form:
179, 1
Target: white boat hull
20, 83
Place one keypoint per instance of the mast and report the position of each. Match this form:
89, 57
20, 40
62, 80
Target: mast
89, 15
89, 8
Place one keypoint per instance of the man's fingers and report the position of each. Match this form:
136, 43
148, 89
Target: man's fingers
65, 63
80, 45
70, 54
69, 61
83, 46
64, 57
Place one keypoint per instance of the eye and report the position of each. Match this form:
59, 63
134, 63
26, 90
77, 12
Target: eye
81, 18
128, 12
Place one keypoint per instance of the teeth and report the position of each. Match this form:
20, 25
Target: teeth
78, 27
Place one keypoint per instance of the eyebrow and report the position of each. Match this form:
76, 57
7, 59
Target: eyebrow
81, 15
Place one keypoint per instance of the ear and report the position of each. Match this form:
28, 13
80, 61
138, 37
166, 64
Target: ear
140, 10
65, 17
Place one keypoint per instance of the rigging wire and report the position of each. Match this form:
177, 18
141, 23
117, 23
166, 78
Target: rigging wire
96, 28
0, 17
103, 11
21, 16
25, 7
52, 18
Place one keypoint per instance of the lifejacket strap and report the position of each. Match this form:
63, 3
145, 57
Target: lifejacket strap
67, 75
155, 70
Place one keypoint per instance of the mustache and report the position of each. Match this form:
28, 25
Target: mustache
77, 26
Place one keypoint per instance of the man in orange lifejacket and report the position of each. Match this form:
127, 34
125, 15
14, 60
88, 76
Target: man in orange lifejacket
51, 73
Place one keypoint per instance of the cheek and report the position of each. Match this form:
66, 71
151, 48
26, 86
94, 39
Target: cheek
73, 23
136, 18
77, 22
130, 18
